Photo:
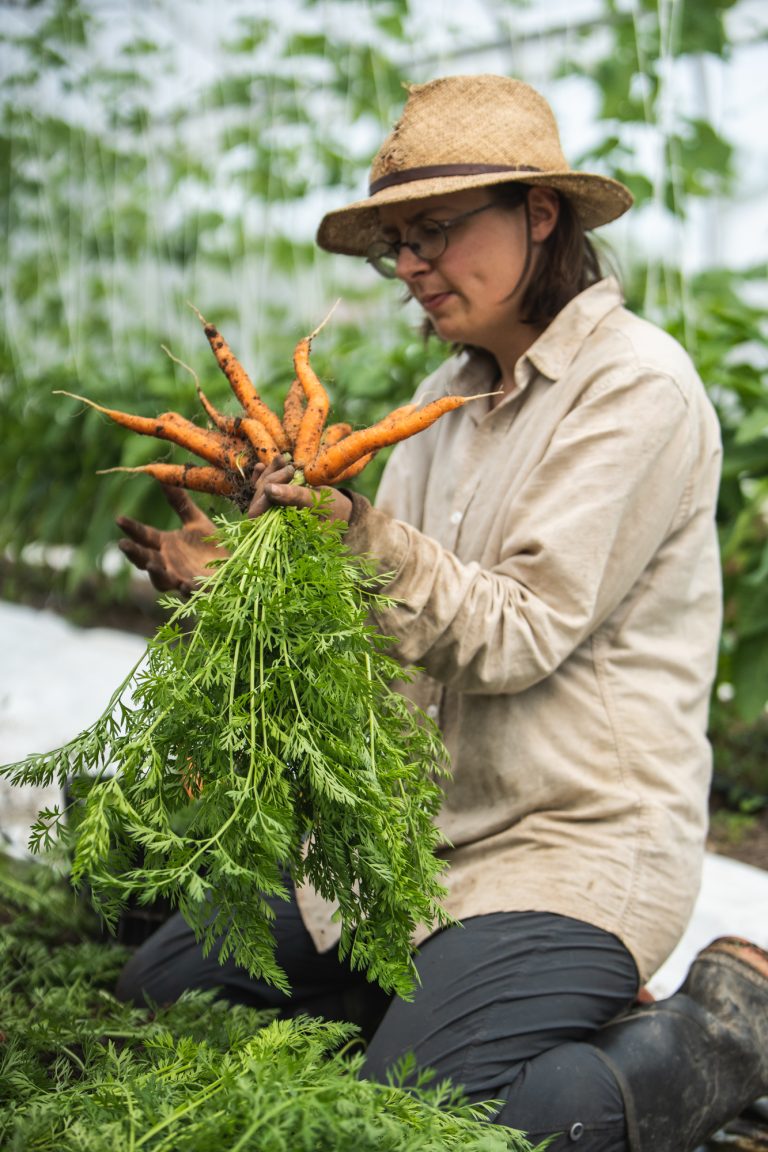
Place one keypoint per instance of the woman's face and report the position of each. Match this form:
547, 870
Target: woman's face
471, 292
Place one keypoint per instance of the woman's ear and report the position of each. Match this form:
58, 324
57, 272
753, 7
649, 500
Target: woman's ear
543, 212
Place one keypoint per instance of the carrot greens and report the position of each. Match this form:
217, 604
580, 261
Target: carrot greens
259, 743
82, 1072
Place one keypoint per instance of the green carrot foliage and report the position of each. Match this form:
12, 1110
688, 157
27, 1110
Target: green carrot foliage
82, 1072
259, 744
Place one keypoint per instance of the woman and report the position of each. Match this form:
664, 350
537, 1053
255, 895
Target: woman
556, 575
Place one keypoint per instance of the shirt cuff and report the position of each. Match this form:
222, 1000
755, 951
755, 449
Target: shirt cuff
375, 534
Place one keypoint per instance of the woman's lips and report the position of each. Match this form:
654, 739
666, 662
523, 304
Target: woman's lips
432, 301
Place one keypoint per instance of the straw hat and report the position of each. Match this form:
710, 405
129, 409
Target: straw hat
464, 132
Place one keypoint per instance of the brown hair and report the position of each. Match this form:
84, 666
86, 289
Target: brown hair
568, 262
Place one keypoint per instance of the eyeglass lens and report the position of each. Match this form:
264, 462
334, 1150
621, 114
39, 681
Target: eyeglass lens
427, 239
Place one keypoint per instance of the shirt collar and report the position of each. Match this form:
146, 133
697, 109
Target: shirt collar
553, 352
549, 356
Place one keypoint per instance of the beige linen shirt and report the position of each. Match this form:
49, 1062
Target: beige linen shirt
557, 578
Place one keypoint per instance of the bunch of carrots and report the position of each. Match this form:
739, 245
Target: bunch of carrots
232, 445
261, 735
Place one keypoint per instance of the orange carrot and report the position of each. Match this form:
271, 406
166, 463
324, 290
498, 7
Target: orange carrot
353, 470
230, 425
307, 442
293, 410
259, 438
210, 445
333, 433
241, 383
196, 477
241, 429
316, 412
337, 432
234, 445
333, 461
226, 424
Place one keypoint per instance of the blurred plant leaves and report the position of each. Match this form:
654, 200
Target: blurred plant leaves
130, 186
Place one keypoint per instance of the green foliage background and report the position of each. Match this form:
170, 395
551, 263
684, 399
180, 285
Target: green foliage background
154, 155
83, 1072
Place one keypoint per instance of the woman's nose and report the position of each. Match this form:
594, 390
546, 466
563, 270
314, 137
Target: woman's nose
409, 263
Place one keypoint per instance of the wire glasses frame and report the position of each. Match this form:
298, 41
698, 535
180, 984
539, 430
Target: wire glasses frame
427, 239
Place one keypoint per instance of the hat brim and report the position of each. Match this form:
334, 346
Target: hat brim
351, 230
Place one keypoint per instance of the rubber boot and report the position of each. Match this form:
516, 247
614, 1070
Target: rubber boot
689, 1064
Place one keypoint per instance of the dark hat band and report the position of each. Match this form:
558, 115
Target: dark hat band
430, 171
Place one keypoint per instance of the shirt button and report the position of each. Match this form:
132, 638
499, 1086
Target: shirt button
456, 517
433, 711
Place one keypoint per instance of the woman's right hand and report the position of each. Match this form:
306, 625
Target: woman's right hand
274, 484
178, 559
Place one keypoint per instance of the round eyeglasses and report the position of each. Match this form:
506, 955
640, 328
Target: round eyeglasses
427, 239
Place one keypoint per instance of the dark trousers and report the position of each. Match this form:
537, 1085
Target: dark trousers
503, 1009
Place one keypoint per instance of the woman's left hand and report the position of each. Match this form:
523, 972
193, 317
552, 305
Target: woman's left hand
273, 485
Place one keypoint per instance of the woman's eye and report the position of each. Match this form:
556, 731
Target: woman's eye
428, 230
